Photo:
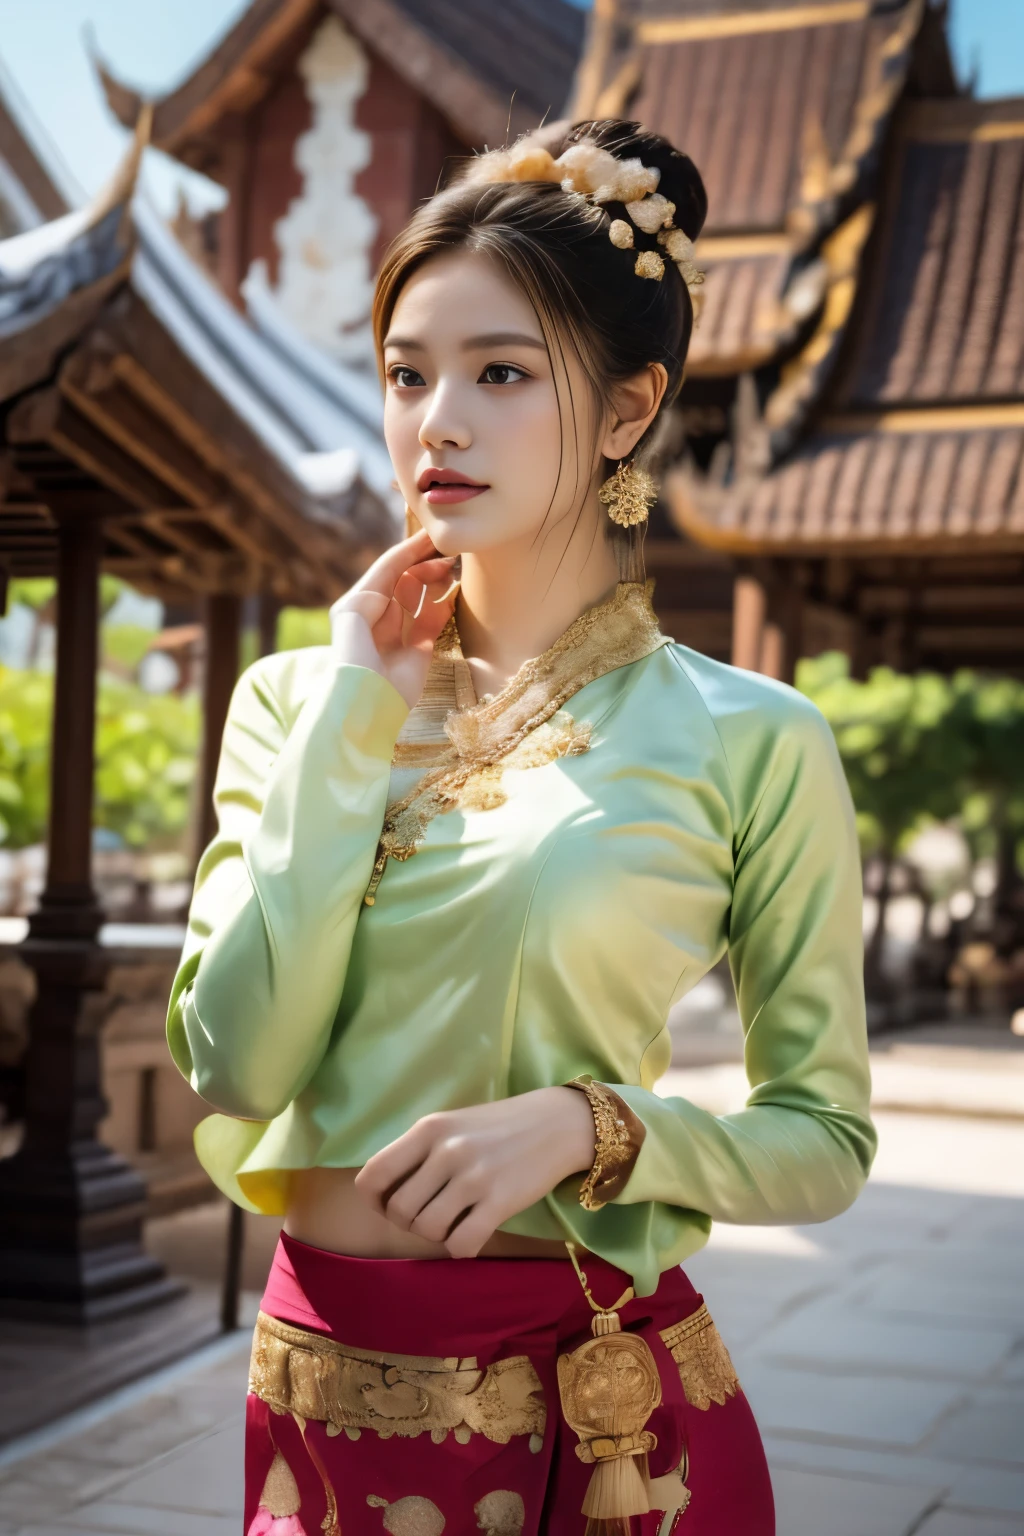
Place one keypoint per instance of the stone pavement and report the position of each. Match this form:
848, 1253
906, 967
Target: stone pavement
883, 1354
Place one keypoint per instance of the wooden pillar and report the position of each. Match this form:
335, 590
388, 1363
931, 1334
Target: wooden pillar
269, 611
749, 607
223, 644
69, 902
772, 662
860, 651
70, 1209
783, 641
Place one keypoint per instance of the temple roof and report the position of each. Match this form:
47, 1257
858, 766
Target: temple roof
754, 303
29, 193
218, 453
780, 105
943, 318
918, 440
784, 108
483, 66
951, 483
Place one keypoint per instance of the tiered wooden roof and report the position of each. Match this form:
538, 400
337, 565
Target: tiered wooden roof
921, 435
218, 457
483, 66
916, 447
29, 193
783, 106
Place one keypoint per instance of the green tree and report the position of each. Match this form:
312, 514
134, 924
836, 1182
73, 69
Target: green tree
988, 716
299, 627
146, 749
123, 647
905, 757
26, 700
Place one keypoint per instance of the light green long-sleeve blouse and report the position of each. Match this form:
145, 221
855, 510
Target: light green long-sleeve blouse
529, 942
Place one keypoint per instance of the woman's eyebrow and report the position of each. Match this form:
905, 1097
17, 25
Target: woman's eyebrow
473, 343
502, 339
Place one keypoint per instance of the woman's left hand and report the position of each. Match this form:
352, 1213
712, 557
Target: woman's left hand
456, 1176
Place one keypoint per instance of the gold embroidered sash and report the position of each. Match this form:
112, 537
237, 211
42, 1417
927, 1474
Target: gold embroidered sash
315, 1378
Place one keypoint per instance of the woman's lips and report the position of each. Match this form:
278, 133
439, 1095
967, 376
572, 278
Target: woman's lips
441, 495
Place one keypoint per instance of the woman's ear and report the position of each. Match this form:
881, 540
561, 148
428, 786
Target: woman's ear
634, 405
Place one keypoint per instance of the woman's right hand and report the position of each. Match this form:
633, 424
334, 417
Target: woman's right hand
388, 621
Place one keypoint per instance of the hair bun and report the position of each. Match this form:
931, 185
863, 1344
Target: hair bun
680, 181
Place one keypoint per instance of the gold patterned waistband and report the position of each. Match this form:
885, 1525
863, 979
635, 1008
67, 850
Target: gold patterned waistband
706, 1371
296, 1371
303, 1373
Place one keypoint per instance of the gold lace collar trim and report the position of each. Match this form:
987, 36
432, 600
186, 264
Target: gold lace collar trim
616, 632
613, 634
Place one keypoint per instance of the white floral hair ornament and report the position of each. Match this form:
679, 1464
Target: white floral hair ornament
596, 174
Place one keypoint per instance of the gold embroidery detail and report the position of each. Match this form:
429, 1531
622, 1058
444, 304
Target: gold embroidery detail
705, 1369
280, 1491
418, 754
620, 1135
411, 1516
613, 634
303, 1373
449, 685
558, 737
501, 1513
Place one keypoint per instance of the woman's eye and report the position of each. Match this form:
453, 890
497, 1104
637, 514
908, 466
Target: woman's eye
502, 373
405, 378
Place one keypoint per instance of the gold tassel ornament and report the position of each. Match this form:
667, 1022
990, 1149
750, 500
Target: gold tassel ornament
629, 494
609, 1387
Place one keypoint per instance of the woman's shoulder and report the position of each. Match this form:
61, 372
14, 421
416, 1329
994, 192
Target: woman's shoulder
731, 693
758, 720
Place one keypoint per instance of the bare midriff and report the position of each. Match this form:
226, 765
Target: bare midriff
327, 1211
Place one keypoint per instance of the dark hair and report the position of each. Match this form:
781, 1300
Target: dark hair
554, 246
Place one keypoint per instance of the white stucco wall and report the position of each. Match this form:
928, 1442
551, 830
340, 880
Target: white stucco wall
325, 284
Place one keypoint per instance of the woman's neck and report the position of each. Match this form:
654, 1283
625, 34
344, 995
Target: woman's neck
515, 600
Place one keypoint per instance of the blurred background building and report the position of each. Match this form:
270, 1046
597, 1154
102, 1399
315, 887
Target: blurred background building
192, 467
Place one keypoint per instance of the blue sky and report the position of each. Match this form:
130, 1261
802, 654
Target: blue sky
153, 43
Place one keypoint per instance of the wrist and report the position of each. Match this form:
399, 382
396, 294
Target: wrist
619, 1135
352, 641
572, 1114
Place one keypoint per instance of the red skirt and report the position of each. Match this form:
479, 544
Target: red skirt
421, 1396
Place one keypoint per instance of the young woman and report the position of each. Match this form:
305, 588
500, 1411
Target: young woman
468, 857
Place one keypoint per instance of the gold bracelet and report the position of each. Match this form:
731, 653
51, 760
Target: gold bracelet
619, 1134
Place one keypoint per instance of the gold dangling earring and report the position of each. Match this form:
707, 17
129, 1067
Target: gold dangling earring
629, 495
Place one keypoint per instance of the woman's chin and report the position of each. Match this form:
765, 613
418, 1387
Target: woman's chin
475, 526
444, 538
455, 534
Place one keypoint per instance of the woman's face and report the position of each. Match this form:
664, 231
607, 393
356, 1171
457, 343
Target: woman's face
471, 414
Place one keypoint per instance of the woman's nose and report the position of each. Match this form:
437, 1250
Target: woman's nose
443, 425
